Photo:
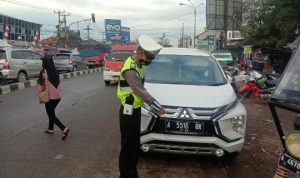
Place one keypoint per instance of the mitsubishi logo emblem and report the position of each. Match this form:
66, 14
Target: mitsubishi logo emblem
185, 115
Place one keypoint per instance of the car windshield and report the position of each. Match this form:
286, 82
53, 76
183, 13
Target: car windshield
2, 54
119, 56
61, 57
184, 69
288, 88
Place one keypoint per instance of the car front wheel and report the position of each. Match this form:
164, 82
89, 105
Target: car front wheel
107, 82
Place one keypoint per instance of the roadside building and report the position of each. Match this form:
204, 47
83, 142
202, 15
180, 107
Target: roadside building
21, 32
185, 42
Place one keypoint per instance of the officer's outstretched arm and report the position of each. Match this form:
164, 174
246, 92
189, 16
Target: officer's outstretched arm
135, 84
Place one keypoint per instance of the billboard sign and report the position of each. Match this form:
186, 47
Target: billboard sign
216, 12
125, 34
112, 30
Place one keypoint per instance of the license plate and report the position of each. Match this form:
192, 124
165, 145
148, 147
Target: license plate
116, 78
184, 127
289, 163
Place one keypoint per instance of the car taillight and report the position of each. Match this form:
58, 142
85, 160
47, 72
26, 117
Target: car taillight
6, 65
70, 61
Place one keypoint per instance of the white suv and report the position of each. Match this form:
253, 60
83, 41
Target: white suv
203, 113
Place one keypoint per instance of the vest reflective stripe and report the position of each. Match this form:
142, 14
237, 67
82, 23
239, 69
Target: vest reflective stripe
123, 88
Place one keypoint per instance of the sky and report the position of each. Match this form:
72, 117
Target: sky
149, 17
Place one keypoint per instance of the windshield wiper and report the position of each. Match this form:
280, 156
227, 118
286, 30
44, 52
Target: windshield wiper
216, 84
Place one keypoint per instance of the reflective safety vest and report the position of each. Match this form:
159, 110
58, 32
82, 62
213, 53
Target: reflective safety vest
124, 89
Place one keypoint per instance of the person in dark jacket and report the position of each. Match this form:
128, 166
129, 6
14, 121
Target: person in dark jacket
258, 62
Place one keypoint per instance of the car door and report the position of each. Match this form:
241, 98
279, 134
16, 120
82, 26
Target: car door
61, 61
16, 62
37, 63
80, 62
77, 61
29, 63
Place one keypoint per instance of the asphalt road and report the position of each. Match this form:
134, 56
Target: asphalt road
90, 109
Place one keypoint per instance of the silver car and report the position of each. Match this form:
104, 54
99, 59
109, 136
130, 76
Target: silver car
69, 62
19, 64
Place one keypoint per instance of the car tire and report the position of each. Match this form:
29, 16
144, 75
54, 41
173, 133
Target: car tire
74, 69
22, 77
229, 157
106, 82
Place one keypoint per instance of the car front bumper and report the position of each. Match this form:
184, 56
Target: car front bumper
7, 74
217, 135
189, 144
109, 75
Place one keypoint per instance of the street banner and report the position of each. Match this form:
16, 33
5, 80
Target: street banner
125, 34
248, 49
112, 30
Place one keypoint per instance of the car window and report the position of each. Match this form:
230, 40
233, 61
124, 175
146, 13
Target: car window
36, 56
27, 54
2, 54
51, 51
64, 51
119, 56
184, 69
288, 88
77, 58
62, 57
17, 54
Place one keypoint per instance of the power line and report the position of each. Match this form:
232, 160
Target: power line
35, 6
172, 18
27, 4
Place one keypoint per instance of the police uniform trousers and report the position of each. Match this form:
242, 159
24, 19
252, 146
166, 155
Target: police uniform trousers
130, 143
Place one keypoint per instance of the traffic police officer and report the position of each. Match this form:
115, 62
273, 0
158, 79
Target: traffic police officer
132, 94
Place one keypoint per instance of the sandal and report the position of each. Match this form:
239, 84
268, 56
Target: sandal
65, 133
50, 132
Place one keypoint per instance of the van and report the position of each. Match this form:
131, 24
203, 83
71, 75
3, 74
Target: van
19, 64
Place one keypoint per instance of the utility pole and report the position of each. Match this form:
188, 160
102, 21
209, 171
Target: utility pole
61, 23
65, 27
182, 34
225, 22
58, 28
88, 29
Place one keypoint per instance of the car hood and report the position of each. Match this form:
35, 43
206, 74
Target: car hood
191, 95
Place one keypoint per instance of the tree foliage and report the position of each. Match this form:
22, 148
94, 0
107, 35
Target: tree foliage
271, 23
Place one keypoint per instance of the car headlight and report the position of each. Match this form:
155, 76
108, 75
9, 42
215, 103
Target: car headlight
238, 124
292, 143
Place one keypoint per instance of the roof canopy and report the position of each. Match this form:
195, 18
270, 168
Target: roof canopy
289, 87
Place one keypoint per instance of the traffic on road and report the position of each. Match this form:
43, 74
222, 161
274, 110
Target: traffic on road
150, 89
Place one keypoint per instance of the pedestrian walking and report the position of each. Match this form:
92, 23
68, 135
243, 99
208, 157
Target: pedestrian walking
49, 81
132, 95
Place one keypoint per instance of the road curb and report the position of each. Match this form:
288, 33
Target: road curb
32, 83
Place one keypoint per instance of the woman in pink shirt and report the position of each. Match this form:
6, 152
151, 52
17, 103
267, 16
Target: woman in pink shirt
49, 78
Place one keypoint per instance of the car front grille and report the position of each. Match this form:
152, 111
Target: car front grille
185, 120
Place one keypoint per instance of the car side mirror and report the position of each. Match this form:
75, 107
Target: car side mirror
230, 79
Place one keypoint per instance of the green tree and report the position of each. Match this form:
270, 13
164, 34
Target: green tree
271, 23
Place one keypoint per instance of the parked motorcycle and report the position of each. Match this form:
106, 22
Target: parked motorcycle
258, 85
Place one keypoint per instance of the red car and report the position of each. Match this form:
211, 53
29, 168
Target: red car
114, 62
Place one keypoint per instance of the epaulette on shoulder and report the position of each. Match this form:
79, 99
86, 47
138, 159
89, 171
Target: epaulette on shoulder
132, 65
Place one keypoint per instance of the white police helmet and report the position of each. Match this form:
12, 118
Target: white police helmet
149, 45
